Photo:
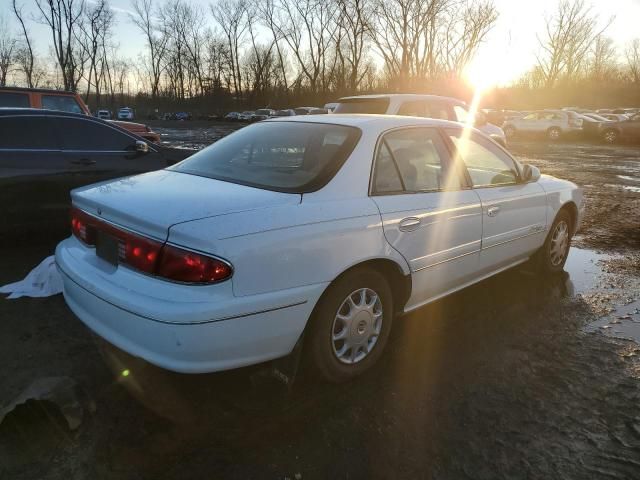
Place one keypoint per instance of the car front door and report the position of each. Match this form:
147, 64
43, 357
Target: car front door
96, 151
427, 214
513, 212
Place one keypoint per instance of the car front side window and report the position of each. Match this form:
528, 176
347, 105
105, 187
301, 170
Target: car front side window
488, 166
83, 135
412, 160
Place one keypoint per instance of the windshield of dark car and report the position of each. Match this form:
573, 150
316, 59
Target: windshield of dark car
362, 105
292, 157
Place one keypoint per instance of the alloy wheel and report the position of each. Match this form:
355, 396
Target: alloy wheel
559, 243
357, 326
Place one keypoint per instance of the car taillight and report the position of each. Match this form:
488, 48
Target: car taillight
190, 267
138, 252
81, 226
151, 256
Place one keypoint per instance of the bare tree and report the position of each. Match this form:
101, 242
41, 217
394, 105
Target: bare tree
405, 32
309, 32
95, 29
231, 16
355, 21
603, 64
143, 18
63, 17
25, 53
632, 57
8, 44
467, 27
569, 36
268, 12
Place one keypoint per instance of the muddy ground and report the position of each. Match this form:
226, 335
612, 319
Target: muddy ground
516, 377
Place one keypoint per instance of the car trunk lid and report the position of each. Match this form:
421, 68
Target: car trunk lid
151, 203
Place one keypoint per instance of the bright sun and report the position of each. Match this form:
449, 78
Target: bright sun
486, 71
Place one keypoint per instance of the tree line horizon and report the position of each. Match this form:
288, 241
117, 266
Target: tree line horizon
286, 53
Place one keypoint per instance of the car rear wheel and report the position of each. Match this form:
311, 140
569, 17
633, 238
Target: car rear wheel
553, 134
610, 136
350, 325
553, 255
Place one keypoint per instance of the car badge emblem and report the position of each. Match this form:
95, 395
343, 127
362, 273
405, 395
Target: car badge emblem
99, 211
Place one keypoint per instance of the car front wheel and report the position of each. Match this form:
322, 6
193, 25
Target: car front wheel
350, 325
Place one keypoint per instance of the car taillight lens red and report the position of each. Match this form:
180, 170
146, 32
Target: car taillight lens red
185, 266
150, 256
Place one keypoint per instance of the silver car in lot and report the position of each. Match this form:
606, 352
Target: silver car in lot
553, 124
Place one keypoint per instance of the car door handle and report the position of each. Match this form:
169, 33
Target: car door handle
493, 211
83, 161
409, 224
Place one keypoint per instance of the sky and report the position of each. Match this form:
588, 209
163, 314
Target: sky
508, 52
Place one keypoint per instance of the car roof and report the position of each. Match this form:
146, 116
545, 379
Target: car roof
382, 122
403, 96
37, 90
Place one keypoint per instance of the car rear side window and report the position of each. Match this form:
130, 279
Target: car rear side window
62, 103
87, 135
363, 105
412, 160
17, 133
292, 157
14, 100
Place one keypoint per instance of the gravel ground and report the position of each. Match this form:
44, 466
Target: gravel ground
516, 377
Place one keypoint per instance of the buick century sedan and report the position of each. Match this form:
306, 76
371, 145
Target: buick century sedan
316, 229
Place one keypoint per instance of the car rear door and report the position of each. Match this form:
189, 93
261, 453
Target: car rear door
96, 151
34, 179
513, 212
427, 214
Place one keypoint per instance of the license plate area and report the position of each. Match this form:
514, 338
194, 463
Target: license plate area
107, 247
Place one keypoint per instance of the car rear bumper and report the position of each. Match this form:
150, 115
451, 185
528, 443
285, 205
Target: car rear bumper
207, 331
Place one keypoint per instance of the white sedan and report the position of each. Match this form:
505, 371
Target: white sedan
329, 226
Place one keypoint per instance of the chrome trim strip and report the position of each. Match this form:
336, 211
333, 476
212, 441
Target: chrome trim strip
213, 320
513, 239
447, 260
464, 285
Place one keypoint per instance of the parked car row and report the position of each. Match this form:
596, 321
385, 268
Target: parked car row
264, 113
565, 123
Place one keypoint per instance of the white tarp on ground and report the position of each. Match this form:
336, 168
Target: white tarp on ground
42, 281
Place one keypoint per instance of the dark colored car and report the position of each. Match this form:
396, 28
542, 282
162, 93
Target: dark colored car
44, 154
628, 130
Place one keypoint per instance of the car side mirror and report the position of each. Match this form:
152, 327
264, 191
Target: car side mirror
142, 147
530, 173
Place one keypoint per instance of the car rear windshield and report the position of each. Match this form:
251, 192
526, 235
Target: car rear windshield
362, 105
293, 157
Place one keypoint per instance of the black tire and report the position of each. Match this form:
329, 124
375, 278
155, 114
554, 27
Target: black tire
509, 131
320, 347
610, 136
545, 256
554, 134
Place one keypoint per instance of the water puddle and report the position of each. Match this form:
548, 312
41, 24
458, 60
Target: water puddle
584, 268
